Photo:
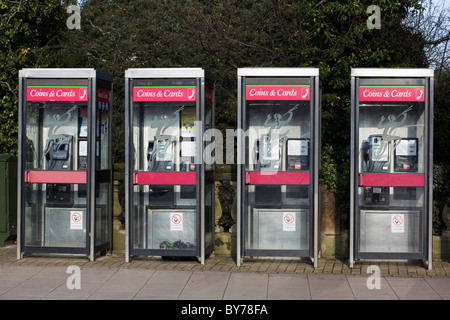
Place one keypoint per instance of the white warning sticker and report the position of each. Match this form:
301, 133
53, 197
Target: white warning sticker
397, 223
289, 221
176, 221
76, 220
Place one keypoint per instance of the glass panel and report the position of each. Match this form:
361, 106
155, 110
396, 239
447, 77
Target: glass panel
163, 226
209, 174
56, 140
55, 215
401, 197
102, 146
391, 231
391, 141
164, 136
391, 137
102, 221
209, 212
275, 229
56, 136
164, 140
278, 136
277, 216
103, 194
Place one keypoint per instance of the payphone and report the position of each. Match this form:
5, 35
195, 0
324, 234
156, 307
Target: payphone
58, 153
375, 154
64, 161
297, 154
391, 166
405, 156
278, 146
170, 188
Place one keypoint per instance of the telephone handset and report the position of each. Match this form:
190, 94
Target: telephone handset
150, 149
58, 156
58, 152
267, 153
375, 154
160, 154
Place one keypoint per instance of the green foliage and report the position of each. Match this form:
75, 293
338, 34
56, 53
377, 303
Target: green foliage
328, 174
441, 154
442, 118
28, 31
219, 36
441, 190
227, 193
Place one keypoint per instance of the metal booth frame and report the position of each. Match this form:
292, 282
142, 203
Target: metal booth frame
392, 178
143, 178
309, 178
92, 171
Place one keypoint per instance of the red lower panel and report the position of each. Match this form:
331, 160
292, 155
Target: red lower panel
171, 178
391, 180
277, 178
55, 176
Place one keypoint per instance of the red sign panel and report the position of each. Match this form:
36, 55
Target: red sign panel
279, 92
282, 177
103, 99
62, 93
386, 93
37, 176
171, 178
209, 95
391, 180
103, 95
142, 94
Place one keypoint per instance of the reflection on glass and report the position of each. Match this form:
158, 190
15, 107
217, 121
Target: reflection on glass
278, 136
164, 140
55, 215
277, 216
391, 140
391, 137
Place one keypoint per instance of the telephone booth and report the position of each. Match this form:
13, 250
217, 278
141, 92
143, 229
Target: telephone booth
278, 163
65, 170
169, 173
391, 165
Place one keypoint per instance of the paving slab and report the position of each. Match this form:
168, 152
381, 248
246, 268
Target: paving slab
372, 291
125, 281
86, 290
22, 271
205, 285
88, 275
441, 286
164, 285
112, 295
247, 286
288, 287
51, 272
412, 289
330, 287
151, 278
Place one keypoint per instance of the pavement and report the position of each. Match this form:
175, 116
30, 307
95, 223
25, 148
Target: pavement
51, 277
